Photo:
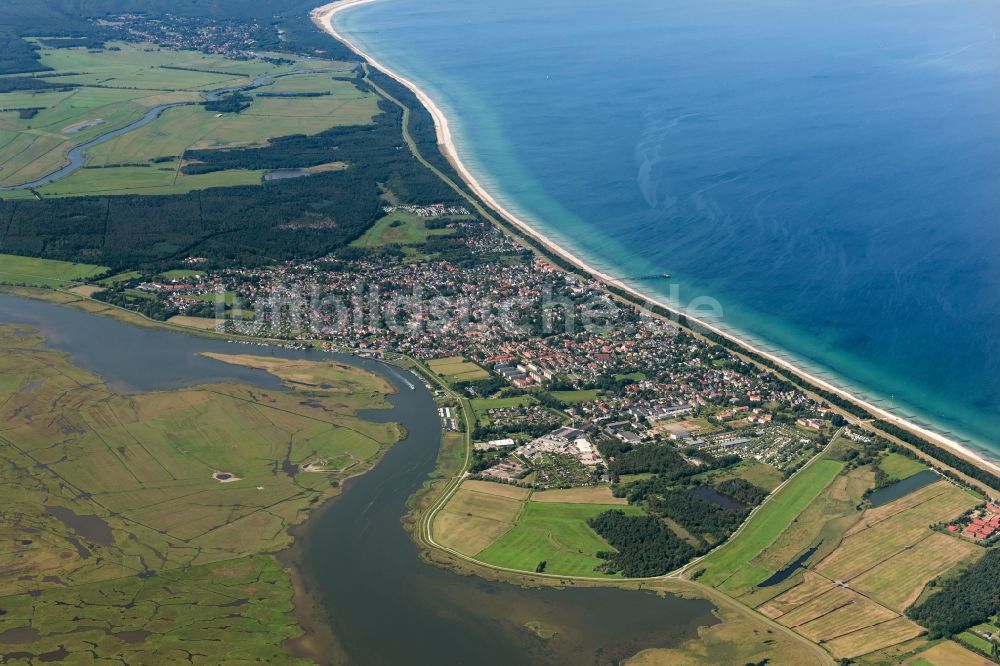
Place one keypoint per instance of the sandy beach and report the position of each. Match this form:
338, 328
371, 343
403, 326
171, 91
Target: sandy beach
323, 17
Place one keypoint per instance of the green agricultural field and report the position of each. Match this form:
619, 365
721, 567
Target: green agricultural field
112, 88
974, 636
246, 601
481, 405
634, 376
180, 274
119, 277
162, 178
976, 641
44, 272
730, 567
398, 228
556, 533
576, 397
759, 474
898, 466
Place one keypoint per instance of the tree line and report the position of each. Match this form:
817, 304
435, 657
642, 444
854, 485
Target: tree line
947, 457
290, 219
645, 546
970, 599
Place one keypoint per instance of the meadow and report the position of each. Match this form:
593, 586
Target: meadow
456, 369
759, 474
112, 87
898, 467
576, 397
33, 272
554, 533
398, 228
730, 568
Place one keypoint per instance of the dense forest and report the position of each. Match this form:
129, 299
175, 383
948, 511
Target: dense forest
154, 308
645, 546
234, 102
742, 491
696, 515
36, 83
299, 218
678, 491
968, 600
627, 459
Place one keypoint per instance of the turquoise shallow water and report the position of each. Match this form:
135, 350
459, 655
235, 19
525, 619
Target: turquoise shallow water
829, 173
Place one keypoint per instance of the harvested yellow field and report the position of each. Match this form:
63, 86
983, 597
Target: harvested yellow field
484, 505
857, 614
501, 489
202, 323
473, 520
949, 653
86, 290
898, 581
868, 548
457, 368
768, 610
874, 638
834, 598
874, 516
585, 495
811, 587
466, 534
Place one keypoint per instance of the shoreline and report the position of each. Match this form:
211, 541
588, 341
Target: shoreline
323, 17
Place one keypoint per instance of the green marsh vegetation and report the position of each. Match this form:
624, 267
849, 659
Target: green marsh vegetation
120, 509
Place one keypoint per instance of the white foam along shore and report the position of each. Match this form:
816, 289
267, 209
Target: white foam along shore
323, 17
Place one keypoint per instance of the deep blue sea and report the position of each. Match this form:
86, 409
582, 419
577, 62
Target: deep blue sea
827, 171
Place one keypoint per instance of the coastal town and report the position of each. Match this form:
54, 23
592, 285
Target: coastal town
280, 359
554, 365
